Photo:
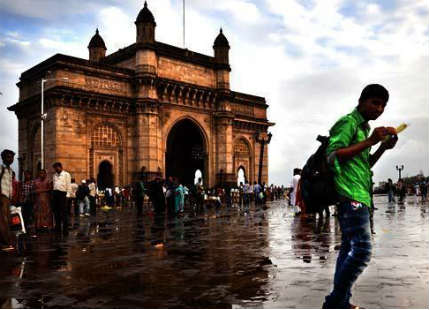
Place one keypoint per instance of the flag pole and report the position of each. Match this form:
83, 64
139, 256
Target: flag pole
184, 24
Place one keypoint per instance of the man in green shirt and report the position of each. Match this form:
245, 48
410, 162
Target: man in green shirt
348, 154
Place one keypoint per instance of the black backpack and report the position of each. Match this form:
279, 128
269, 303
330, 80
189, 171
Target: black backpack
317, 180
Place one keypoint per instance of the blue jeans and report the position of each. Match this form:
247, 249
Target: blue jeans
391, 196
84, 205
355, 252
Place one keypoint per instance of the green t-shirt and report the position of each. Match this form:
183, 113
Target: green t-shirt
353, 177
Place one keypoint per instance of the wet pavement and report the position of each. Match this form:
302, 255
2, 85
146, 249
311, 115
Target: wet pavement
226, 258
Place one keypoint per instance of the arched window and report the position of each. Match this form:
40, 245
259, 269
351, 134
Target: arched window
105, 135
241, 148
241, 176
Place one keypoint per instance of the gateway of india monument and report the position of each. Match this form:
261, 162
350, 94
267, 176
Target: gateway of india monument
148, 107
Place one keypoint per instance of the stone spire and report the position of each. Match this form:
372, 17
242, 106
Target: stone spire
221, 48
145, 24
97, 47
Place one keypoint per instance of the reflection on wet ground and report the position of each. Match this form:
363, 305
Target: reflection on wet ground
223, 258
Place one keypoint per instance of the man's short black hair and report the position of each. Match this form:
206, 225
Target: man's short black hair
374, 90
57, 164
6, 152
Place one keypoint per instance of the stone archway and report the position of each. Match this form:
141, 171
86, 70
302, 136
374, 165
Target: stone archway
241, 175
243, 158
186, 152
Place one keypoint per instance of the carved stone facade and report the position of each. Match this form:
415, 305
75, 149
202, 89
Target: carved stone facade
121, 110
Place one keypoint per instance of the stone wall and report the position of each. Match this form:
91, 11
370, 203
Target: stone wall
29, 142
186, 72
129, 63
107, 84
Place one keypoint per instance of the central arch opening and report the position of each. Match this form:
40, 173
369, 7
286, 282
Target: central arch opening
105, 175
198, 175
186, 152
241, 176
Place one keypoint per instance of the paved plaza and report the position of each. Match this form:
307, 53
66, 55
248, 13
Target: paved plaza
226, 258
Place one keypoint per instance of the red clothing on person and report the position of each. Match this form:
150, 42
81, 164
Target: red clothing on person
42, 205
15, 191
299, 200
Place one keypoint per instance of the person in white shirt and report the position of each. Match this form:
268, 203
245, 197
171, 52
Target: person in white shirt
71, 198
108, 195
295, 181
62, 185
92, 196
6, 191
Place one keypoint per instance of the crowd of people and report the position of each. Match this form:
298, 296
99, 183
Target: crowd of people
172, 196
402, 189
48, 202
45, 202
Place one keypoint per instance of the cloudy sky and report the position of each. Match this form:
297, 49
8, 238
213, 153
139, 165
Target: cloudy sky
310, 60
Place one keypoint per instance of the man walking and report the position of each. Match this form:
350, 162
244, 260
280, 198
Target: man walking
170, 194
26, 200
390, 190
349, 156
62, 184
246, 192
401, 188
82, 199
6, 193
257, 189
139, 192
157, 197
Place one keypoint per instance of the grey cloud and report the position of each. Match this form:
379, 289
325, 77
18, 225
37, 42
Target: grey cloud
314, 91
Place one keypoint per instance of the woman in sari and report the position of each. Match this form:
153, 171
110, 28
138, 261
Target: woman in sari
42, 206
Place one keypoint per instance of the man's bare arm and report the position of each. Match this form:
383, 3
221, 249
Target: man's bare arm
383, 147
379, 134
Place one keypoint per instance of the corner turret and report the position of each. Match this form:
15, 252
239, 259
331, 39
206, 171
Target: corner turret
221, 48
145, 24
97, 48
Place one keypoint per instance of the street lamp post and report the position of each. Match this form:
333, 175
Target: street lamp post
399, 168
262, 140
43, 116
